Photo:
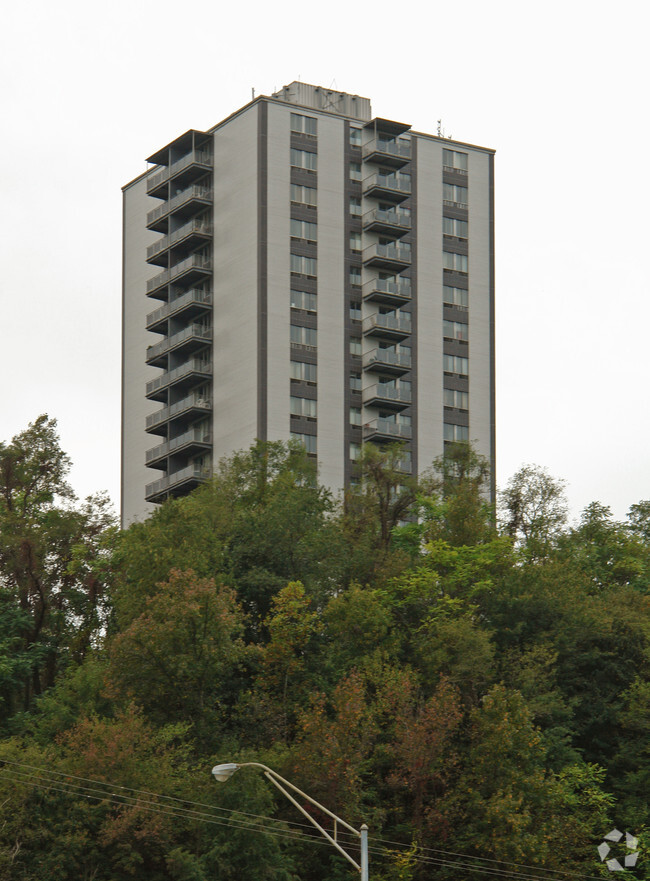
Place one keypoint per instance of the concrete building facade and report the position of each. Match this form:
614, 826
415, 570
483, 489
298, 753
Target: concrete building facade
305, 270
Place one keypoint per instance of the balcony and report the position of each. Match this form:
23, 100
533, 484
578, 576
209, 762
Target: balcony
193, 165
395, 326
176, 483
387, 151
386, 394
191, 302
383, 290
192, 337
192, 406
193, 370
190, 235
194, 439
188, 201
387, 222
389, 187
385, 430
387, 361
192, 269
393, 257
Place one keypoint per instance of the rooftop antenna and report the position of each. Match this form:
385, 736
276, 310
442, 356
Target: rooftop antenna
253, 94
439, 130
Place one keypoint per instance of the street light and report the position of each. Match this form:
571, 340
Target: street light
225, 771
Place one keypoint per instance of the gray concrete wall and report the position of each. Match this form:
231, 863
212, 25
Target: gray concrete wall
429, 301
235, 284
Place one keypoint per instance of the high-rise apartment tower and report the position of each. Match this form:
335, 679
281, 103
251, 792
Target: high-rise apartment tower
305, 270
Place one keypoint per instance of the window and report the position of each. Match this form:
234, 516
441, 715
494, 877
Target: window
455, 262
303, 159
355, 382
355, 171
303, 229
303, 300
453, 398
456, 161
355, 206
302, 407
303, 372
355, 275
355, 137
355, 451
303, 336
355, 311
303, 195
455, 330
455, 364
453, 195
307, 440
455, 297
453, 227
303, 265
355, 242
456, 433
355, 415
305, 125
355, 345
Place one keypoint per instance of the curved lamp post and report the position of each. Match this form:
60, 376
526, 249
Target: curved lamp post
224, 772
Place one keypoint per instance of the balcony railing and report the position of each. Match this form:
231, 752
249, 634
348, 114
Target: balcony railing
388, 152
386, 392
195, 366
195, 436
195, 227
194, 332
393, 256
175, 480
194, 262
389, 359
385, 429
387, 291
389, 186
193, 401
196, 192
194, 157
387, 325
185, 301
387, 220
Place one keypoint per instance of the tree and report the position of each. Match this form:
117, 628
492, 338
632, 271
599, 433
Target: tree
179, 660
534, 509
256, 525
53, 563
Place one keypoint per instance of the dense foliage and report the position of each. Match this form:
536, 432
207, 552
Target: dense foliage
473, 689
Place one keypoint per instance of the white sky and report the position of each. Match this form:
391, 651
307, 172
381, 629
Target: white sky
558, 89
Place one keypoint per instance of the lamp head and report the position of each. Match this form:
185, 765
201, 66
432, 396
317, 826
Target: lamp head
224, 772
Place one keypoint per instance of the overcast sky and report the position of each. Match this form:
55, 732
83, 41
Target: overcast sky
558, 89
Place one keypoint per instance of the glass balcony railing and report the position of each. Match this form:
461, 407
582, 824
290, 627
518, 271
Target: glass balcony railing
195, 227
194, 157
174, 307
195, 366
387, 290
175, 480
386, 392
193, 401
385, 429
387, 358
393, 324
393, 255
387, 219
196, 192
195, 436
198, 332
